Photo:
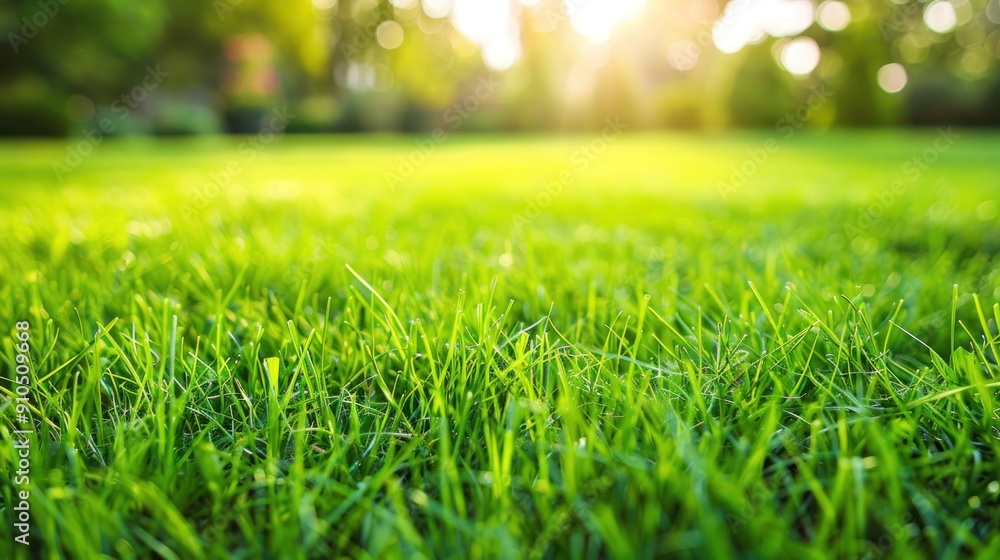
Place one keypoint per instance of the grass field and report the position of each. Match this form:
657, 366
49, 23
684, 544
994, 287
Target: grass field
508, 347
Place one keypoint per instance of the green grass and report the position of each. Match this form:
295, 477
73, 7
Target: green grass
310, 364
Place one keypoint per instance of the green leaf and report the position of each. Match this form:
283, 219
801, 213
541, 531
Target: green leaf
271, 366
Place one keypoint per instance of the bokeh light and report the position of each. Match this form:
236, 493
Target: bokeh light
748, 22
436, 8
892, 77
490, 24
482, 21
833, 16
502, 53
993, 11
800, 56
940, 16
682, 55
324, 4
597, 19
389, 34
80, 108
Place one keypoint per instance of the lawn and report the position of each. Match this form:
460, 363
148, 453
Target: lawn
704, 346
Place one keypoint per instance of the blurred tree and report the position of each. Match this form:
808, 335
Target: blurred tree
399, 64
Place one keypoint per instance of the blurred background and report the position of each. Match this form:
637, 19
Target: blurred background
178, 67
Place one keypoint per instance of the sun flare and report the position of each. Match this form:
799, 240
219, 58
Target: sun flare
596, 20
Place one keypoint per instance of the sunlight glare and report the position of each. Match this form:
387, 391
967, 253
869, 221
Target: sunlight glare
482, 21
597, 19
749, 22
436, 8
502, 53
490, 24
